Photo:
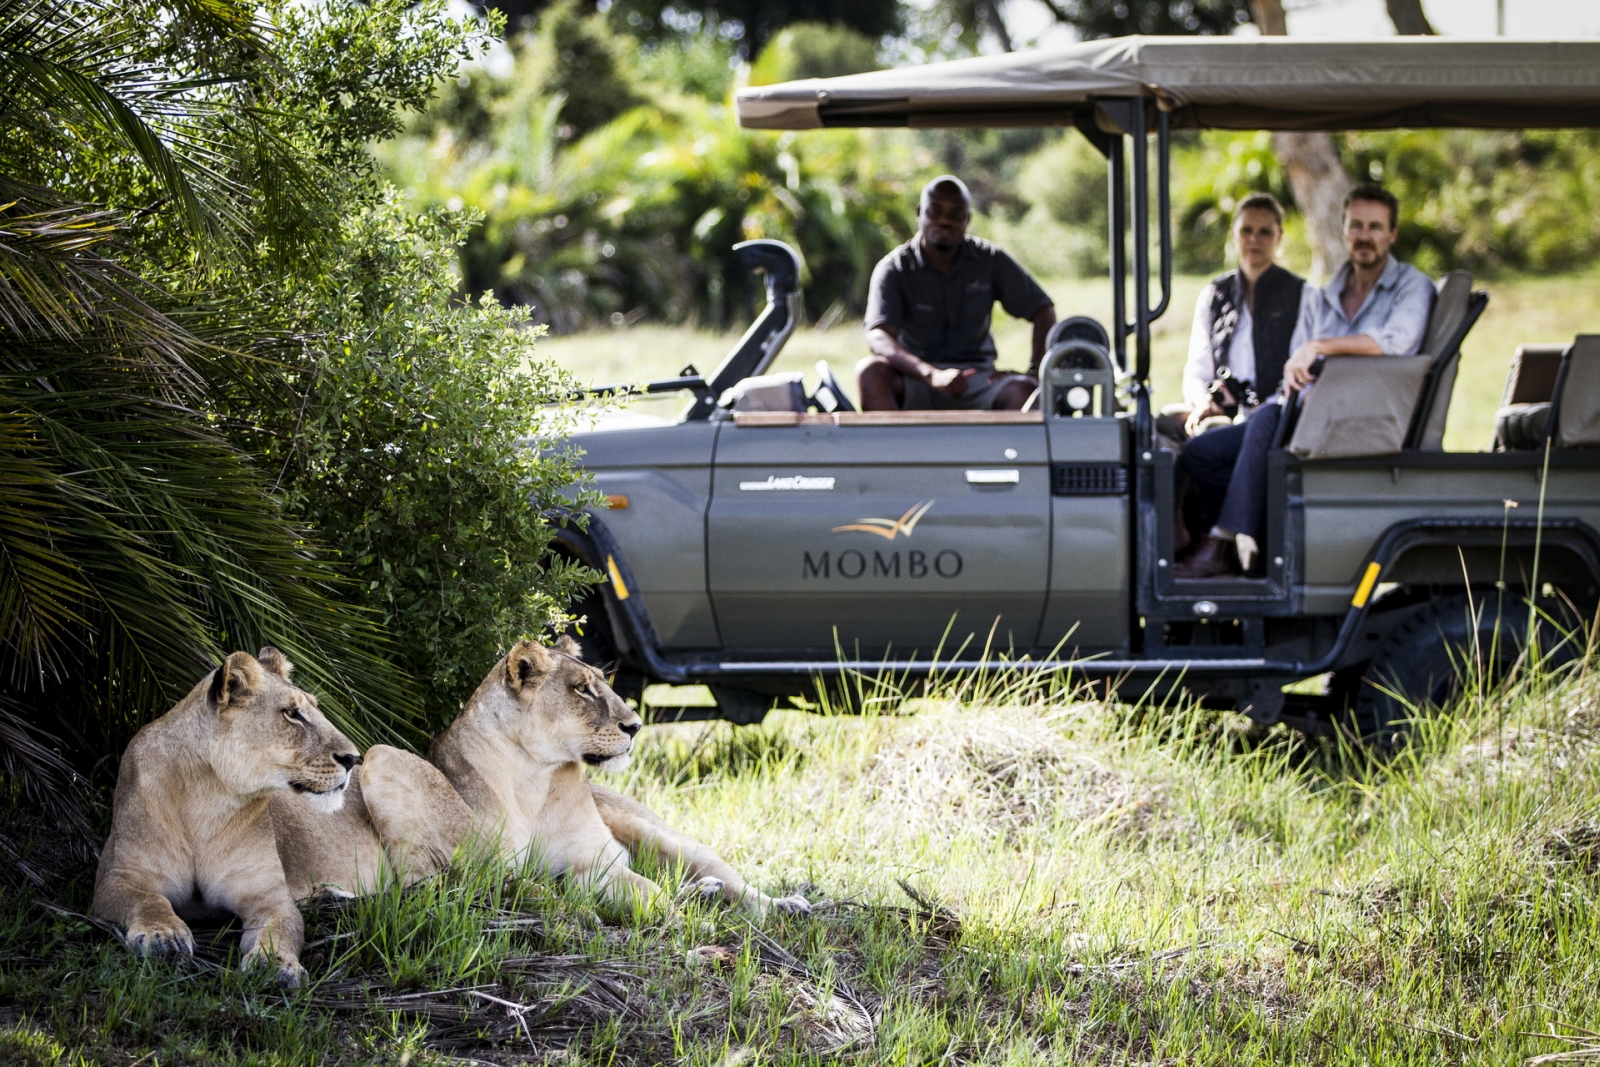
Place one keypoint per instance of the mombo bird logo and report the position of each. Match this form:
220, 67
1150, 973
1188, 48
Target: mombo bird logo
852, 564
889, 529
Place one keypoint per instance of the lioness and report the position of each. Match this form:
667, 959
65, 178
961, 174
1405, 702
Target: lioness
400, 819
516, 754
191, 833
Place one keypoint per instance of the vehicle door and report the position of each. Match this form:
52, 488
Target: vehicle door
864, 533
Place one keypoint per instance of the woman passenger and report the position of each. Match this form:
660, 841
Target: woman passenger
1243, 321
1238, 345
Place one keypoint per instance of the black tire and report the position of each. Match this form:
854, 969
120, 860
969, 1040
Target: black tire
741, 706
1424, 663
593, 635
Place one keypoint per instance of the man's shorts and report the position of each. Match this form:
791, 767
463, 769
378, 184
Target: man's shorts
981, 390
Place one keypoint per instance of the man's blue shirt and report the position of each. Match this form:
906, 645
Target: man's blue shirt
1395, 314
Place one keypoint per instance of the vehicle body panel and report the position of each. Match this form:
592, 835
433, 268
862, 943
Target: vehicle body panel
1348, 507
665, 472
900, 542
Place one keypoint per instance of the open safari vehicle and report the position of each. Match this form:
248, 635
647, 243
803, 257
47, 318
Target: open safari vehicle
769, 541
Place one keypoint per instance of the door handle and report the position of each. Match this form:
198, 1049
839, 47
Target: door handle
1006, 477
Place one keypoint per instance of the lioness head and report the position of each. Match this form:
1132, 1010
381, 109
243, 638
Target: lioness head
562, 709
269, 734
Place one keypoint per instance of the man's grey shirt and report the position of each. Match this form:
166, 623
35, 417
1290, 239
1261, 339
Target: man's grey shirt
944, 317
1395, 314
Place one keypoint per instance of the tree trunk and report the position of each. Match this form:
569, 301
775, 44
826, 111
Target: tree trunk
1408, 18
990, 9
1311, 162
1320, 183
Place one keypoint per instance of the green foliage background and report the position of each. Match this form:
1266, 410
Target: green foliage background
596, 222
422, 451
215, 324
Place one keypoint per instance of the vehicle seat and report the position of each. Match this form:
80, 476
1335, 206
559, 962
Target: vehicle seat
1360, 406
1524, 415
1076, 376
1456, 309
1363, 406
766, 392
1576, 402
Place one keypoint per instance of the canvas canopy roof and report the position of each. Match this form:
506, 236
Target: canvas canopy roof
1222, 82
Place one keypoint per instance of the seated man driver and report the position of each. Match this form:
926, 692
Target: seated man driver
1374, 306
928, 315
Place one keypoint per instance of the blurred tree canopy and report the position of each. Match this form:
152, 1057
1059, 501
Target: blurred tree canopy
638, 217
613, 183
750, 24
1118, 18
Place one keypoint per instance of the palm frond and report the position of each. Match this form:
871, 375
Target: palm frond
75, 74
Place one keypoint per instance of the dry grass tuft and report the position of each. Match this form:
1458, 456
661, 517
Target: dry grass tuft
998, 773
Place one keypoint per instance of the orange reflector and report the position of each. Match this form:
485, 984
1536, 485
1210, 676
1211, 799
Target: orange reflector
617, 502
616, 579
1364, 590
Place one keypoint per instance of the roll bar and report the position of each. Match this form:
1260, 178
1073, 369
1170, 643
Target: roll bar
1114, 119
755, 350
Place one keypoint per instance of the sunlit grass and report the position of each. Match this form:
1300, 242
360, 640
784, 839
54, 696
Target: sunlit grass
1093, 883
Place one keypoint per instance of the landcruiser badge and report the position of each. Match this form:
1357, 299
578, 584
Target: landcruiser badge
773, 482
889, 529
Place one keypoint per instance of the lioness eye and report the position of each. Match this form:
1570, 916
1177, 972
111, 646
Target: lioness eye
293, 715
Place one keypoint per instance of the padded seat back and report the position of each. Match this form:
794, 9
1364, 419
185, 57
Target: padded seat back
1523, 420
1532, 378
1360, 406
1452, 304
1577, 399
766, 392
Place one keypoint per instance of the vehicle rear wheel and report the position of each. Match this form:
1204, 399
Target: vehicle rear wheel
1426, 662
741, 706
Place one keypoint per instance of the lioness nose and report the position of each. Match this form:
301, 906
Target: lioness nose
630, 728
347, 760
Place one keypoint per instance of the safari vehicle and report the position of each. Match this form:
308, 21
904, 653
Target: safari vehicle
768, 542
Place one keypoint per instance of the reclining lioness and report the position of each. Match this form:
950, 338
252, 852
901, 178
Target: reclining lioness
191, 834
516, 754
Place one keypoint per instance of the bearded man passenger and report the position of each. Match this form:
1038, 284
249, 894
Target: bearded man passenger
1374, 306
928, 316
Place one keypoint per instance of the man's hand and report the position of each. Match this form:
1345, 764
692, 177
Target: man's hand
951, 381
1297, 371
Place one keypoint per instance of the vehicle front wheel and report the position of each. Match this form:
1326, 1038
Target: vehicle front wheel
1427, 662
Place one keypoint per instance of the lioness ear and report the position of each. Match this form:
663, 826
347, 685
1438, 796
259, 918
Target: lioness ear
568, 647
276, 662
238, 676
526, 663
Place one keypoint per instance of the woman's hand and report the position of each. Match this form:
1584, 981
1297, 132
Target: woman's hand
1191, 425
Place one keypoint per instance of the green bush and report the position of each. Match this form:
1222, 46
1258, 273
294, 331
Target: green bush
1490, 201
410, 451
579, 59
640, 217
813, 50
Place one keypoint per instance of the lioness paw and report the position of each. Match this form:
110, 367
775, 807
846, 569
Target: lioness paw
290, 973
710, 888
160, 939
795, 905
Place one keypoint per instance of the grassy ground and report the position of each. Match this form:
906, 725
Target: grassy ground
1520, 310
1005, 877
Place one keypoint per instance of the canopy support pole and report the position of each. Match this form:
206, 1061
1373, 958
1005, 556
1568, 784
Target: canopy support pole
1119, 252
1141, 242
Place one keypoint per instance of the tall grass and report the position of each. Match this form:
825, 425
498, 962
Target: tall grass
1006, 870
